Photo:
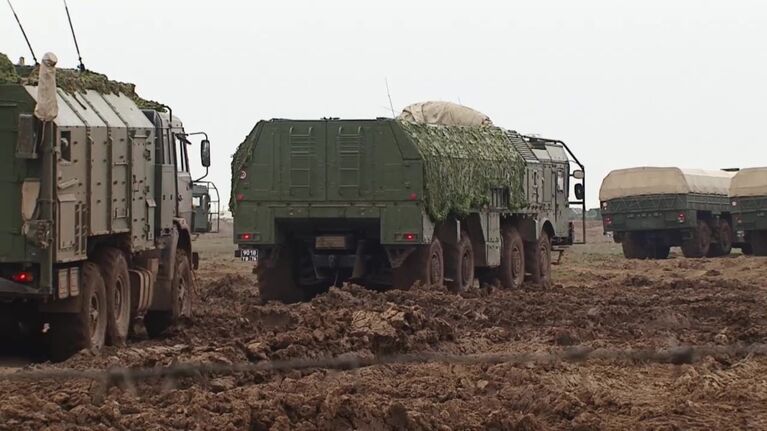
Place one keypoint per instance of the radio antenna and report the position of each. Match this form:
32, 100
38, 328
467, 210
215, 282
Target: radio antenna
388, 93
23, 32
74, 36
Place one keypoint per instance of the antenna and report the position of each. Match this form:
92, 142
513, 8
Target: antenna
388, 93
77, 47
22, 31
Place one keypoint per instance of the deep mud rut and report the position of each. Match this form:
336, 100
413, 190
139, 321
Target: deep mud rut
599, 300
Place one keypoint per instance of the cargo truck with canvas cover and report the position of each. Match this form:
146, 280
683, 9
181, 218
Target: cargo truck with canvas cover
748, 197
390, 202
94, 233
651, 209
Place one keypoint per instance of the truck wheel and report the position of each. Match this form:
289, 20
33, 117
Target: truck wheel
634, 246
700, 242
723, 246
512, 270
85, 329
278, 282
114, 271
538, 259
459, 264
660, 251
182, 289
759, 243
425, 265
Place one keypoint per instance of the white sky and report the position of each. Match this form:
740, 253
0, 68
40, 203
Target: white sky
624, 83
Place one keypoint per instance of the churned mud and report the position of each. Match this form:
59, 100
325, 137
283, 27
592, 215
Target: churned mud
599, 300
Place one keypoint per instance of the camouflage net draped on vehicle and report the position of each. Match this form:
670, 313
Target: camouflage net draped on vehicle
463, 164
72, 81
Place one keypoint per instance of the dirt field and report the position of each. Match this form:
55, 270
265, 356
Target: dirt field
599, 300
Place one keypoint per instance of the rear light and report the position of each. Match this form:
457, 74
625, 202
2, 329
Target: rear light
246, 236
243, 175
734, 203
413, 196
738, 220
409, 237
23, 277
240, 197
608, 221
681, 218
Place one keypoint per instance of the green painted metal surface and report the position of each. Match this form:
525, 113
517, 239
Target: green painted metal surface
660, 212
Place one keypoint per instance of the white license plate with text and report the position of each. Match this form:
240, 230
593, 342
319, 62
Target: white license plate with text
249, 255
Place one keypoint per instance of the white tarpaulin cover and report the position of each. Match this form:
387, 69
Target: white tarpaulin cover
445, 114
47, 108
749, 182
642, 181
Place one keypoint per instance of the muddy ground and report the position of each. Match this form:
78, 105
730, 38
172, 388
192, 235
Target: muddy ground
599, 300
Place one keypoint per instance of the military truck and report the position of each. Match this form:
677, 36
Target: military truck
206, 207
648, 210
388, 202
748, 196
95, 233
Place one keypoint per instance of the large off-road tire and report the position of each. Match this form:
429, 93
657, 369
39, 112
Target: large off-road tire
277, 277
634, 246
182, 291
459, 264
660, 251
759, 242
425, 266
86, 329
511, 273
723, 245
699, 244
114, 271
538, 260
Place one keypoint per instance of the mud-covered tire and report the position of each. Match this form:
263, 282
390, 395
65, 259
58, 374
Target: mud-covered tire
723, 246
511, 273
425, 265
538, 260
699, 244
277, 277
634, 246
182, 291
114, 271
86, 329
758, 242
459, 264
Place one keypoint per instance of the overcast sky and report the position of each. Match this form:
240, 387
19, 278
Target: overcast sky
624, 83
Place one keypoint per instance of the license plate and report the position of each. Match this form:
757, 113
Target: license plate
249, 255
336, 242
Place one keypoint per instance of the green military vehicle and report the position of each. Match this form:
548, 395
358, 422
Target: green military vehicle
389, 202
651, 209
95, 234
206, 207
748, 196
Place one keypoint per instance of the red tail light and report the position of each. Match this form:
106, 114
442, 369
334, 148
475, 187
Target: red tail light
413, 196
681, 218
409, 237
23, 277
608, 221
240, 197
246, 236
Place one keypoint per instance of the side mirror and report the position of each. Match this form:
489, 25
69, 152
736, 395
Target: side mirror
579, 174
205, 153
580, 192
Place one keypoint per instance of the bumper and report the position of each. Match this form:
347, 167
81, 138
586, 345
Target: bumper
10, 289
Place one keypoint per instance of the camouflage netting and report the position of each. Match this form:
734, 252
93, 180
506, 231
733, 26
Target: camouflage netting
7, 70
463, 164
72, 80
